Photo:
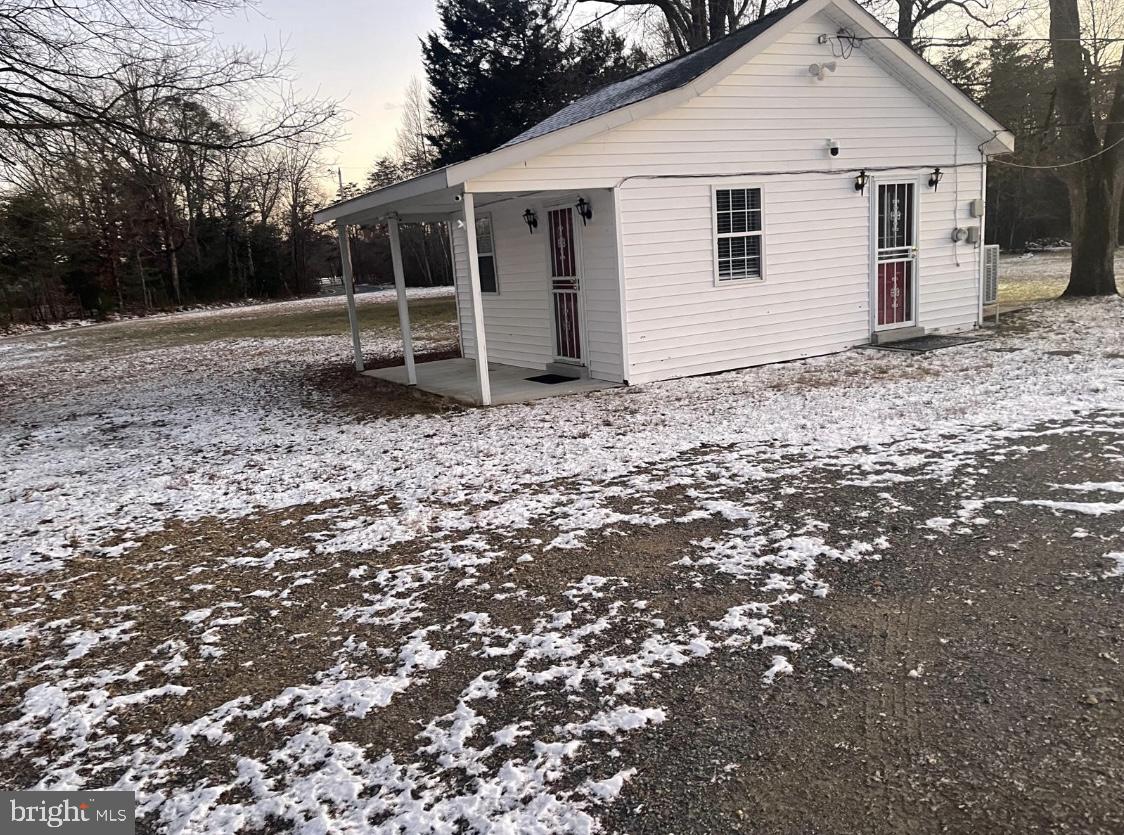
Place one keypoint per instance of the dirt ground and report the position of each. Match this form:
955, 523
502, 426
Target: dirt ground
771, 628
988, 693
1014, 721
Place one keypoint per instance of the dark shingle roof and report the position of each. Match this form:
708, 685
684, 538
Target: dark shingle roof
659, 79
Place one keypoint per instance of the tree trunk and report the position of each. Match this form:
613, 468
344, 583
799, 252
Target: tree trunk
1094, 185
1094, 203
174, 272
251, 270
143, 282
905, 22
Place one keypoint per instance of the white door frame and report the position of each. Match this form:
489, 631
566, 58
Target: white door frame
579, 266
915, 299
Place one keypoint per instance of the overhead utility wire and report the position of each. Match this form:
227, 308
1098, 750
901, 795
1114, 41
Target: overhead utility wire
1101, 152
968, 39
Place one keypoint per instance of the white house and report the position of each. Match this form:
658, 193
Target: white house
805, 185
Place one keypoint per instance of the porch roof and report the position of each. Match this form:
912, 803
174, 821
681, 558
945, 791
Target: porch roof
428, 197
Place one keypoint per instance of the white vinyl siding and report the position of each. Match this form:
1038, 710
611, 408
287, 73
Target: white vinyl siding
767, 118
517, 319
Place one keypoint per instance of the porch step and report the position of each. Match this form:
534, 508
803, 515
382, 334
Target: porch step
896, 335
565, 369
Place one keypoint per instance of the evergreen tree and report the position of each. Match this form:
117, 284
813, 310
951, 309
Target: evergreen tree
496, 67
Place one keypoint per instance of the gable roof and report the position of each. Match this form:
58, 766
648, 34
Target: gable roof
657, 89
662, 78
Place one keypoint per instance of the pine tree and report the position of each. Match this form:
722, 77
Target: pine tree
496, 67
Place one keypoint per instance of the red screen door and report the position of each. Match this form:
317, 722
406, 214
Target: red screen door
896, 254
564, 285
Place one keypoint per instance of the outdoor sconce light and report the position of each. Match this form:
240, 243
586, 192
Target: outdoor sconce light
860, 182
820, 71
531, 219
585, 210
935, 178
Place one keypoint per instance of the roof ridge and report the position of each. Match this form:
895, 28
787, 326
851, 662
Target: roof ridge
697, 50
629, 90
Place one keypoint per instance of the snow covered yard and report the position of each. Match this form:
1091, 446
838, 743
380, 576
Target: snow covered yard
261, 610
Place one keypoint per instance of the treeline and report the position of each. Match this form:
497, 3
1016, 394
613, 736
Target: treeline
493, 69
95, 227
1013, 80
146, 169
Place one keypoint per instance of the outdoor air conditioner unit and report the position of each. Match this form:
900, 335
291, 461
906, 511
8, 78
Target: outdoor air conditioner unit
991, 274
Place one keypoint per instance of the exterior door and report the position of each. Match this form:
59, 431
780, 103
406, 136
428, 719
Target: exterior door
895, 251
565, 285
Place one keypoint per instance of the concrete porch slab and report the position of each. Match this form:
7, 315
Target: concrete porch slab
456, 379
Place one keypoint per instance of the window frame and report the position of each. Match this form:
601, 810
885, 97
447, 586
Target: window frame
715, 235
493, 254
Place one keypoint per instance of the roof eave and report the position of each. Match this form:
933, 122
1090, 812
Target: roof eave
461, 174
364, 204
1001, 139
528, 149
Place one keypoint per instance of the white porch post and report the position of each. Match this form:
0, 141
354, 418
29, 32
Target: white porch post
349, 290
477, 301
403, 307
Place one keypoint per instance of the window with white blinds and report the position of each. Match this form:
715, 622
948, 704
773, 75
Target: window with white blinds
739, 234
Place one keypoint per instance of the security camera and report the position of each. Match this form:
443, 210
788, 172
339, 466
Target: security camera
457, 198
833, 147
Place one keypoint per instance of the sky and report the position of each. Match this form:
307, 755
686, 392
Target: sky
362, 52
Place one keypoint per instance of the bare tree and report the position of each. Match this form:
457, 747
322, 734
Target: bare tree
909, 19
300, 194
692, 24
414, 152
267, 174
1091, 138
68, 65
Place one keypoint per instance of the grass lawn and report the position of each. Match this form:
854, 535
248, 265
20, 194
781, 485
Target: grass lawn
1035, 277
294, 320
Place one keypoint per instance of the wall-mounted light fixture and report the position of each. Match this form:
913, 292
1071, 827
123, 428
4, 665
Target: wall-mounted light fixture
935, 178
860, 182
820, 71
585, 210
531, 219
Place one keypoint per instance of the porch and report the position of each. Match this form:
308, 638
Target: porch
457, 379
537, 286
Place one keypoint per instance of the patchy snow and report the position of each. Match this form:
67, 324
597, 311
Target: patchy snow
1117, 569
1084, 508
452, 576
780, 667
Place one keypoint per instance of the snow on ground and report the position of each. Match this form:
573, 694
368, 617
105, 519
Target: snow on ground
253, 608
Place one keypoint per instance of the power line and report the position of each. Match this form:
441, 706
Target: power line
1101, 152
968, 40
